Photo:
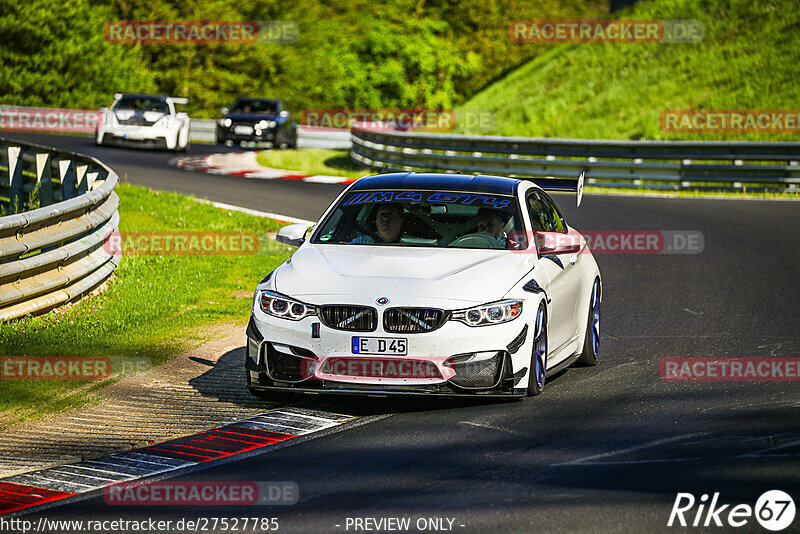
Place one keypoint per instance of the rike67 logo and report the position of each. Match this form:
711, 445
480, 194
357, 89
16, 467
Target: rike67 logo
774, 510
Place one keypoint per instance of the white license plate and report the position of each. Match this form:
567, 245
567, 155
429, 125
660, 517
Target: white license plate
243, 130
380, 345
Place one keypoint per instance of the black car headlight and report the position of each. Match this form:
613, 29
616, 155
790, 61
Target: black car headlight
488, 314
225, 123
284, 307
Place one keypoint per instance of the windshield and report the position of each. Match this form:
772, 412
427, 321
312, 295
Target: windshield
423, 218
261, 107
130, 103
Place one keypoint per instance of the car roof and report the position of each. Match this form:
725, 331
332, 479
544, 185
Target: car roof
251, 99
143, 95
467, 183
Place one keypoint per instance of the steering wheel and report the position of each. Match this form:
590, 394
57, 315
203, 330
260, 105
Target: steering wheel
476, 240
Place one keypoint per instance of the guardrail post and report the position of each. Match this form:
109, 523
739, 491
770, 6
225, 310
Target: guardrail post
15, 178
66, 172
80, 178
44, 178
91, 177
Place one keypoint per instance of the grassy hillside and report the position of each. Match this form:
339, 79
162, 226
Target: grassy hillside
749, 59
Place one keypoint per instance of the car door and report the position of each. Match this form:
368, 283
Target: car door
559, 272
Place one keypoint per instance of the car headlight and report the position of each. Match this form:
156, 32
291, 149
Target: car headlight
284, 307
265, 124
225, 123
487, 314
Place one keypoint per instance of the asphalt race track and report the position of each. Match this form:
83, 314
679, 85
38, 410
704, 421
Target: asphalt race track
604, 448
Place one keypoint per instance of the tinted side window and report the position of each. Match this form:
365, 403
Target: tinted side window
554, 214
543, 213
536, 210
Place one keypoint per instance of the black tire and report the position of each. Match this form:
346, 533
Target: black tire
538, 368
591, 341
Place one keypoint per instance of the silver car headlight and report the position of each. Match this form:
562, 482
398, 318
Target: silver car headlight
488, 314
278, 305
225, 123
265, 124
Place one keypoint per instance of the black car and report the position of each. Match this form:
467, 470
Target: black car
259, 121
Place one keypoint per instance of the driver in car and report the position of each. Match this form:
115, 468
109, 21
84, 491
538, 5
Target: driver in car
491, 222
389, 224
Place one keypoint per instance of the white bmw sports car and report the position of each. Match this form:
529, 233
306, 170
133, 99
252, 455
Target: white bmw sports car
428, 284
144, 120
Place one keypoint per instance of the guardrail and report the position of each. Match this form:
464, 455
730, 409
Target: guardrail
53, 254
606, 163
307, 137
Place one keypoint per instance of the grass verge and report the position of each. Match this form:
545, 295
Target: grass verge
153, 308
314, 161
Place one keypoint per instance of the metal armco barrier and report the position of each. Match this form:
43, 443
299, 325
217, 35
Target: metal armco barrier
606, 163
53, 254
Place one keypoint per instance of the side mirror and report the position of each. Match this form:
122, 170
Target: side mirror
558, 243
294, 234
224, 111
283, 113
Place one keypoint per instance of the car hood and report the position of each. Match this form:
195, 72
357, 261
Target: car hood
130, 116
358, 274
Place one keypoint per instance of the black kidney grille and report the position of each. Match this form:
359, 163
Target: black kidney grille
413, 320
356, 318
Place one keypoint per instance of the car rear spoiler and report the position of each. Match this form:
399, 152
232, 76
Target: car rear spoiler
175, 99
560, 184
